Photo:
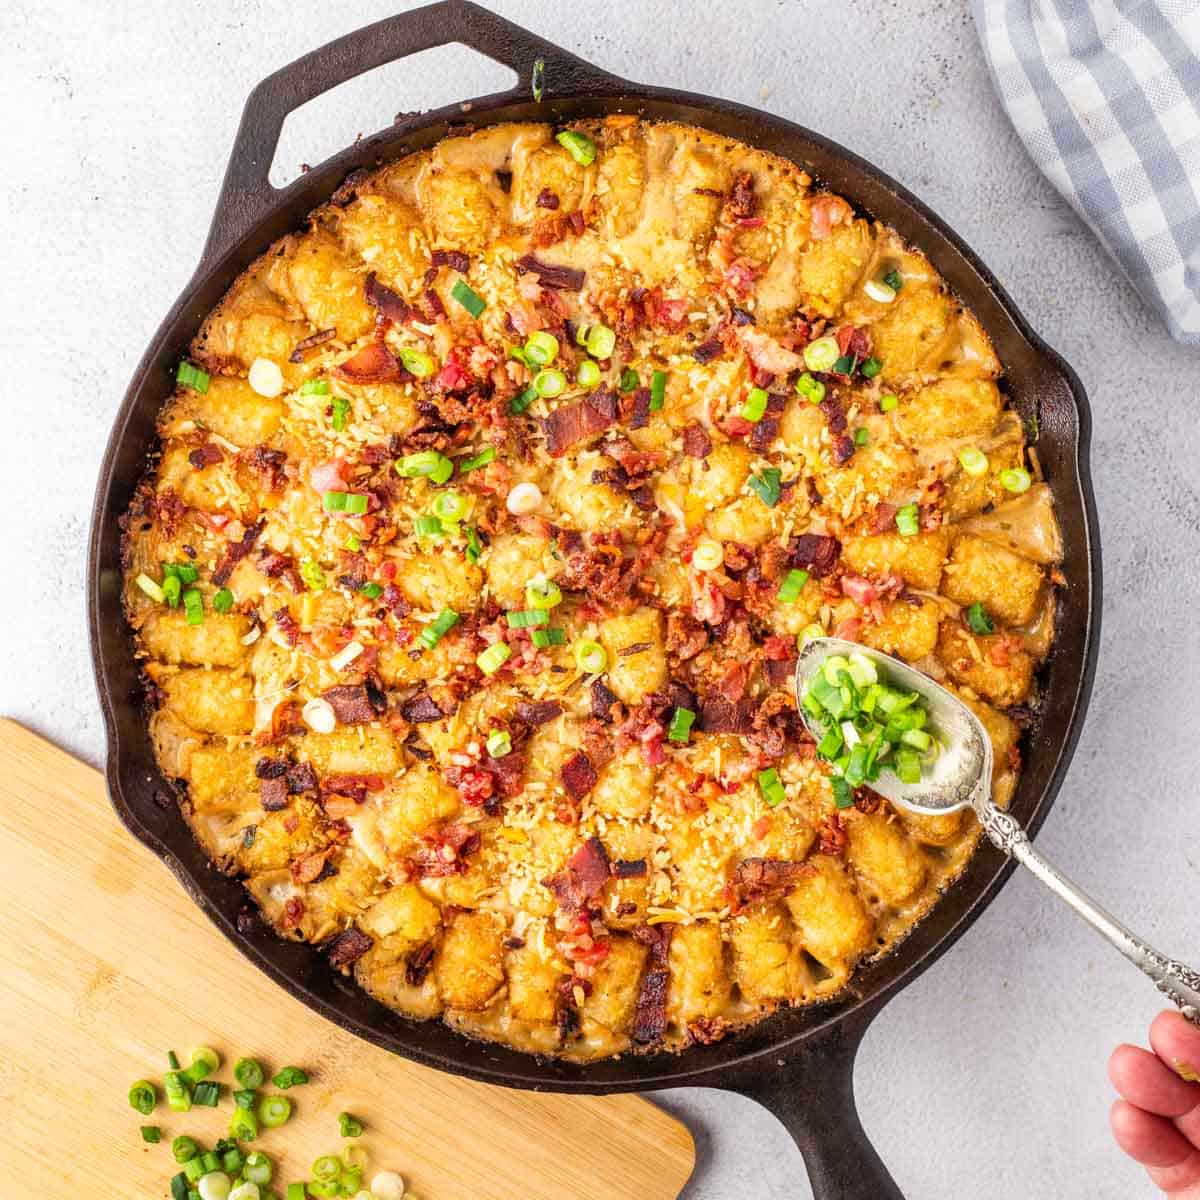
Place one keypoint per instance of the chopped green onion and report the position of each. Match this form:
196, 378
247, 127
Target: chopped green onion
842, 796
862, 436
311, 573
527, 618
812, 389
257, 1168
273, 1111
766, 485
590, 657
471, 300
184, 572
541, 592
893, 279
350, 1127
204, 1062
499, 743
340, 414
830, 746
974, 462
578, 145
232, 1160
538, 79
246, 1098
907, 766
353, 503
978, 620
417, 362
588, 374
600, 341
243, 1125
172, 590
179, 1187
844, 366
222, 602
426, 526
807, 634
425, 464
193, 606
792, 586
249, 1073
820, 355
541, 348
485, 456
489, 661
771, 788
353, 543
879, 291
658, 390
474, 545
371, 590
917, 738
143, 1097
908, 520
888, 403
209, 1161
192, 377
152, 589
629, 380
450, 506
206, 1095
550, 382
681, 725
1015, 480
296, 1191
184, 1148
328, 1166
870, 368
518, 404
317, 387
428, 637
172, 1060
756, 405
178, 1097
544, 638
324, 1187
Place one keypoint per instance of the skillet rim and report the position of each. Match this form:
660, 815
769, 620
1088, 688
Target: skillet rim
723, 1064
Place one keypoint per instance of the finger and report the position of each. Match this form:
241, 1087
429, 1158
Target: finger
1180, 1182
1146, 1081
1177, 1042
1151, 1140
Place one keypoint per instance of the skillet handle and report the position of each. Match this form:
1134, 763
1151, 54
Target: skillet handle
813, 1095
247, 194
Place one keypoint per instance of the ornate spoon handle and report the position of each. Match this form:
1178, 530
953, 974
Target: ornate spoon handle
1175, 980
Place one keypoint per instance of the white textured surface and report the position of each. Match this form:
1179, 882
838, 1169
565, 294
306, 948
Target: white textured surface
985, 1078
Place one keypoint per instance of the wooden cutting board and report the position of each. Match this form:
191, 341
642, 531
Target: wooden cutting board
105, 965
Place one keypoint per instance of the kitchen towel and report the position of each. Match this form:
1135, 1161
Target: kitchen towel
1106, 97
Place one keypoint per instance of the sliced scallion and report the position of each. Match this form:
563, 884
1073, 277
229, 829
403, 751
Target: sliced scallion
1015, 480
766, 485
590, 657
821, 354
549, 382
578, 145
681, 725
544, 638
978, 620
429, 637
485, 456
588, 374
489, 661
908, 520
812, 389
658, 390
193, 377
755, 405
499, 743
465, 295
417, 362
792, 586
771, 787
541, 348
600, 342
527, 618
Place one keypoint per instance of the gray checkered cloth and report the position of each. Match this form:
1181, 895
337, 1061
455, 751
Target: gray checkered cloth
1106, 97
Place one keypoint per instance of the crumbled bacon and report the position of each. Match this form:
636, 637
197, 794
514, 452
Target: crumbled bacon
581, 881
639, 408
835, 415
650, 1016
547, 199
234, 552
572, 423
456, 260
696, 442
304, 345
604, 702
445, 851
475, 785
741, 203
538, 712
578, 775
355, 787
374, 363
273, 794
287, 625
207, 455
853, 342
293, 913
776, 723
707, 351
268, 466
814, 552
352, 703
630, 868
566, 279
686, 636
308, 868
348, 947
420, 709
832, 835
756, 879
719, 715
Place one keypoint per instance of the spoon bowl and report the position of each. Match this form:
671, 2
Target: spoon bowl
960, 776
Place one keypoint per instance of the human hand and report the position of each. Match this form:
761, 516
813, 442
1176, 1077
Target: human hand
1157, 1122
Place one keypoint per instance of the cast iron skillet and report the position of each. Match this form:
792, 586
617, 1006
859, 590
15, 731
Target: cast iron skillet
799, 1063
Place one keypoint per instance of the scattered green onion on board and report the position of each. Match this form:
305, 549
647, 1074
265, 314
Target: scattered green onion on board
143, 1097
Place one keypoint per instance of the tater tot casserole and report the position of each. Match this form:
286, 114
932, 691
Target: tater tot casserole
491, 510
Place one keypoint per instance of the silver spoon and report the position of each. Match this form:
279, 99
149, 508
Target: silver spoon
961, 775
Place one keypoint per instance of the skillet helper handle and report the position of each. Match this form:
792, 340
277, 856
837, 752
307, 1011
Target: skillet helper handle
813, 1095
247, 194
1178, 982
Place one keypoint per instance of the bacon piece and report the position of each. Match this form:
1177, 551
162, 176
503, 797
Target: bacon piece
630, 868
348, 947
207, 455
603, 701
757, 879
456, 260
741, 203
833, 835
355, 787
766, 428
815, 552
707, 351
419, 962
273, 794
302, 347
718, 715
446, 851
388, 304
539, 712
281, 566
421, 708
235, 551
779, 671
639, 416
775, 724
843, 449
329, 476
883, 518
268, 465
696, 442
475, 785
860, 589
578, 775
705, 1031
563, 279
582, 880
374, 363
650, 1017
547, 199
835, 415
351, 704
854, 342
310, 867
686, 636
585, 418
